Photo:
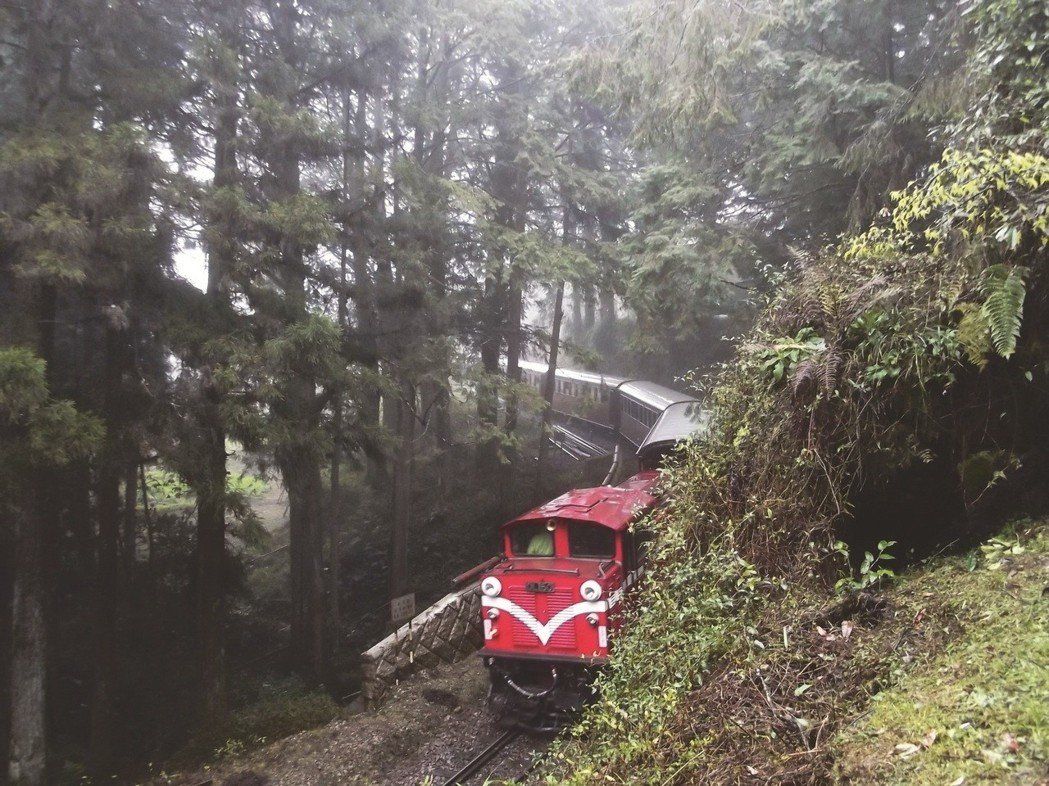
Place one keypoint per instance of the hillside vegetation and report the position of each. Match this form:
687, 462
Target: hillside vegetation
890, 405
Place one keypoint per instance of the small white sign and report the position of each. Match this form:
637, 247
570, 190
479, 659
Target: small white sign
402, 608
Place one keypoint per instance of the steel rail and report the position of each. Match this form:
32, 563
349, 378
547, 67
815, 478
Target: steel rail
482, 758
585, 443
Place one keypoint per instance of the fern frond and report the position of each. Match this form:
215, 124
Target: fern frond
812, 310
833, 359
974, 334
804, 378
1005, 291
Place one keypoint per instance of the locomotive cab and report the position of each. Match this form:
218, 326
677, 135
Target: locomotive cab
555, 587
551, 604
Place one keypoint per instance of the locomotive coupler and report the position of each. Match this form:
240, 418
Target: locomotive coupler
528, 694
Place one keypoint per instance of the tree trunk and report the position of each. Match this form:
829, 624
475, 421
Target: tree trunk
575, 326
363, 295
130, 535
27, 753
549, 381
513, 350
210, 560
34, 533
299, 410
107, 560
105, 628
334, 546
487, 390
605, 341
39, 59
502, 306
401, 507
435, 161
301, 471
335, 479
211, 489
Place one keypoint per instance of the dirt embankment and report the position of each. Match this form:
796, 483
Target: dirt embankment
432, 726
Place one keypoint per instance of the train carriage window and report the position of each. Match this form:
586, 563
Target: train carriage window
587, 540
532, 540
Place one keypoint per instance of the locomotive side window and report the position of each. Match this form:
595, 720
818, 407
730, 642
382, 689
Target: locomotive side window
532, 540
586, 540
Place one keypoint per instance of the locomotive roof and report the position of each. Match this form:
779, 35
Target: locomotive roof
677, 422
659, 397
614, 507
592, 377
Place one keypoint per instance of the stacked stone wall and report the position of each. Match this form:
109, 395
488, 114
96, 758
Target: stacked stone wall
446, 632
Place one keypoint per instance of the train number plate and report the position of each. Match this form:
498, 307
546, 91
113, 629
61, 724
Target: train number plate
539, 586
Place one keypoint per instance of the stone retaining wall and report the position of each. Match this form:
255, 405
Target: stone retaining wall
446, 632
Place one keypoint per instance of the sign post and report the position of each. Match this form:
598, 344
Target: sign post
402, 609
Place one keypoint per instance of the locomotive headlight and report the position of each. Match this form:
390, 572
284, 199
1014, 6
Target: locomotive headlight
491, 586
590, 590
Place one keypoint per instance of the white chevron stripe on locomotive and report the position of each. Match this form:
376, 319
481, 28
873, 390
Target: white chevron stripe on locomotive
543, 632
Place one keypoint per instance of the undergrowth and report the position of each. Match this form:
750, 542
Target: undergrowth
282, 708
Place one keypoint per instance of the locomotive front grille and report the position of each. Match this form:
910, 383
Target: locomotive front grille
543, 606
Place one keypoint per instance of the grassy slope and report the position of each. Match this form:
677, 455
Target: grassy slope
975, 711
940, 675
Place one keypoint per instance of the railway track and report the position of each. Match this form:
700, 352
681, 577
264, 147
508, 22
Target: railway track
575, 445
475, 765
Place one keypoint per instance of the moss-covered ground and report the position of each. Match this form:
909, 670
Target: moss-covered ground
977, 709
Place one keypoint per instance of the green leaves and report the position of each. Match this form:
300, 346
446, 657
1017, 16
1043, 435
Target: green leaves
784, 355
1003, 309
871, 571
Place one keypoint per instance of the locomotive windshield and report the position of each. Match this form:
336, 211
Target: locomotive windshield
588, 541
532, 540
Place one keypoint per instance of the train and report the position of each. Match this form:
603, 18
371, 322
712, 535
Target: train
553, 601
647, 415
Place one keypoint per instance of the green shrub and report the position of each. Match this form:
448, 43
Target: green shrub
281, 708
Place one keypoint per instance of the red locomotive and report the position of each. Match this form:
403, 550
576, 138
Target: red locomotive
551, 602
